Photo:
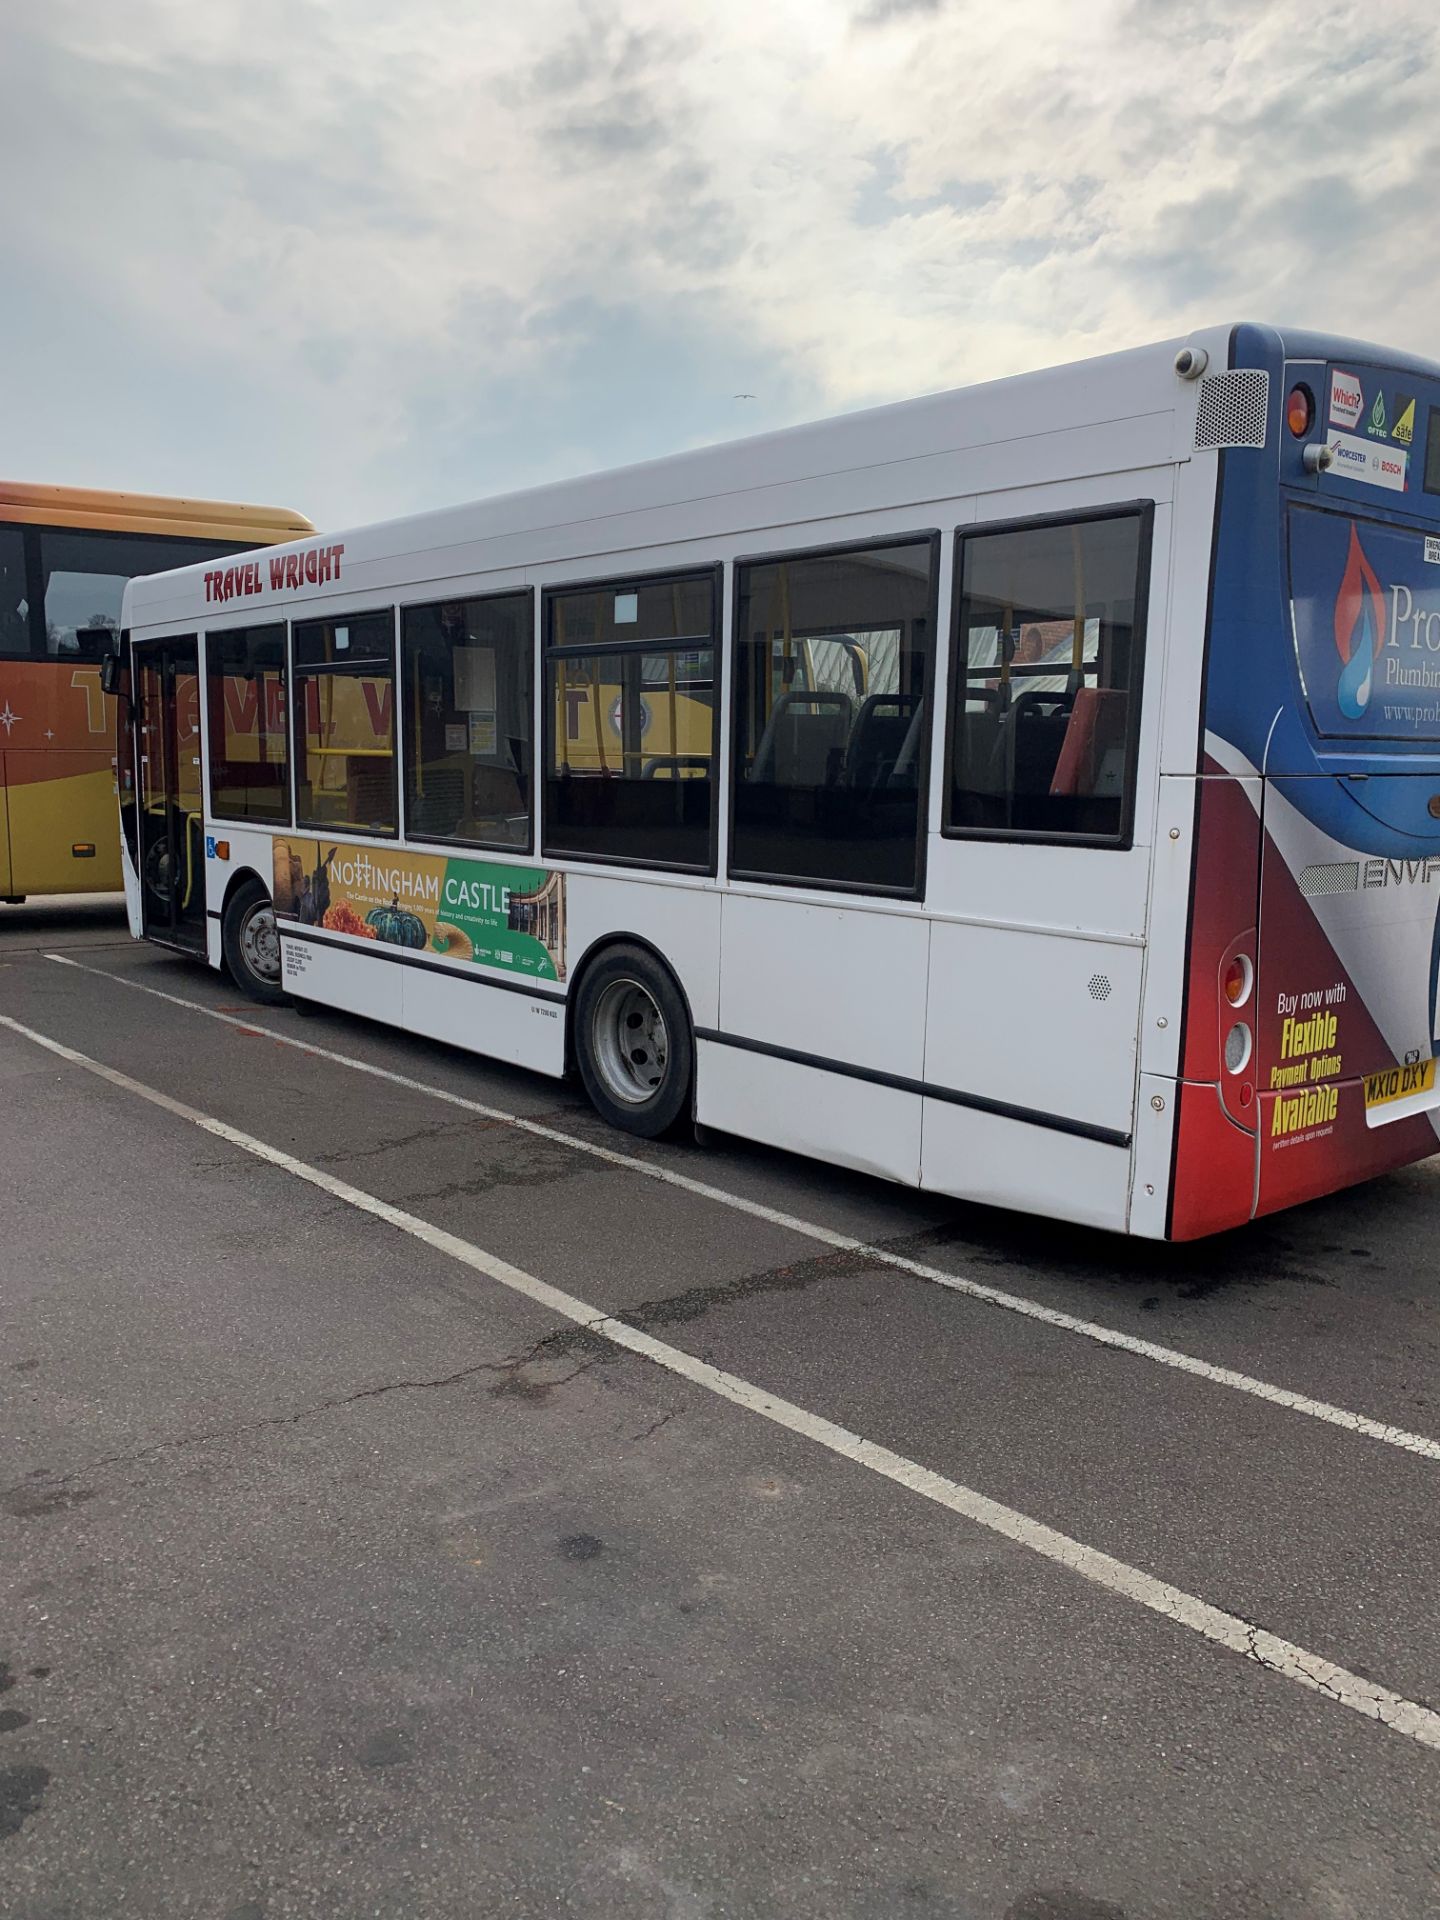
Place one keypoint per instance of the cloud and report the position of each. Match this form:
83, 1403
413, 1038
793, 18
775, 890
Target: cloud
366, 259
879, 13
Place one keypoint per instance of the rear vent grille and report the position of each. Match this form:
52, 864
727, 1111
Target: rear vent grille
1234, 408
1099, 986
1336, 876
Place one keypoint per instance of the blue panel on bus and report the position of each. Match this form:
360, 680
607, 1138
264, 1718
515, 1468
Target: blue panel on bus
1254, 697
1372, 422
1365, 598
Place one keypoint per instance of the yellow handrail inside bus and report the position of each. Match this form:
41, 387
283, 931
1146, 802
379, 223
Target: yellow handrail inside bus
595, 712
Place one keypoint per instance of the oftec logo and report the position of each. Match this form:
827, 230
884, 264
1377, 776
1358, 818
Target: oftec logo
1359, 630
1347, 397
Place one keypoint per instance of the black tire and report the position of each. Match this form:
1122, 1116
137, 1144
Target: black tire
633, 1043
244, 943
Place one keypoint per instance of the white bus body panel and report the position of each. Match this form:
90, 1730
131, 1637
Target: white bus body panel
848, 1122
1006, 1163
441, 1004
680, 920
342, 977
844, 983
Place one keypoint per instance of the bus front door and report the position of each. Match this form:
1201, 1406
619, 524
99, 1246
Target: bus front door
172, 841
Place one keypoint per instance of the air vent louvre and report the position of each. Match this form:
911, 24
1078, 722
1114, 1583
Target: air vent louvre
1335, 876
1234, 408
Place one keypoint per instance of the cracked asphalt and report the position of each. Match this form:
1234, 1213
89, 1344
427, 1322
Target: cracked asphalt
338, 1579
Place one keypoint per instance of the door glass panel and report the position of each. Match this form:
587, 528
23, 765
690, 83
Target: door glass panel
172, 842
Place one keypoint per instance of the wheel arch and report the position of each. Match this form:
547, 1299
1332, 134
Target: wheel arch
238, 879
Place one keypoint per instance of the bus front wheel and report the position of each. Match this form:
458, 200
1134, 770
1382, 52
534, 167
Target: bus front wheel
633, 1044
251, 943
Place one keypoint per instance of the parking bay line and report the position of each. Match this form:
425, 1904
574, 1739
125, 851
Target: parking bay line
1173, 1357
1251, 1642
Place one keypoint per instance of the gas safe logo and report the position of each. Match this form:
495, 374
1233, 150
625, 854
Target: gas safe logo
1359, 630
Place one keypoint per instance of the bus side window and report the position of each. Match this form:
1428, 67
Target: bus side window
832, 662
344, 703
1045, 684
14, 605
245, 688
630, 716
465, 675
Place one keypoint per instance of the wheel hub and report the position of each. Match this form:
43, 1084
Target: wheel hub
632, 1043
260, 942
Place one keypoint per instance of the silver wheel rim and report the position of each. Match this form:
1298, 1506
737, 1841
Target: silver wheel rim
260, 942
631, 1042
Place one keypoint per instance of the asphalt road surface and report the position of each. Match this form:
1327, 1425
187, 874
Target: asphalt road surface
419, 1501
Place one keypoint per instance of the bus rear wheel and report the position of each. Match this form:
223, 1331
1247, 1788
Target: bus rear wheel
250, 939
633, 1043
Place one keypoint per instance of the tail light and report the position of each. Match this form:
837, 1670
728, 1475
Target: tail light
1235, 995
1239, 979
1300, 410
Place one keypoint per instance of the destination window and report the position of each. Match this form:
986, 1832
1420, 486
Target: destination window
245, 693
83, 578
14, 596
631, 721
832, 657
466, 680
344, 705
1045, 685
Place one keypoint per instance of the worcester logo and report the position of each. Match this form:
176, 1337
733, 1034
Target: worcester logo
1359, 630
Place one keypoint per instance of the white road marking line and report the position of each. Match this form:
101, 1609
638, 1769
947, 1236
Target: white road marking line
1253, 1643
1173, 1357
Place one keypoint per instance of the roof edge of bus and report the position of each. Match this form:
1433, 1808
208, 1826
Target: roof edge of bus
1305, 343
772, 436
1294, 342
111, 511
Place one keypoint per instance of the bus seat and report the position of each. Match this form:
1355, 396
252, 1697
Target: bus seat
1027, 748
905, 772
803, 739
1095, 735
881, 729
674, 766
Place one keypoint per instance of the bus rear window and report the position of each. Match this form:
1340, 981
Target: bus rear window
1432, 452
1365, 612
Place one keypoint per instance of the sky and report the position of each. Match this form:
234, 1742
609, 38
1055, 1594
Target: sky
361, 257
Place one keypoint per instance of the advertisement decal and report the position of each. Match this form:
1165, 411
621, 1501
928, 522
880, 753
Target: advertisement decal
477, 911
1356, 459
1366, 614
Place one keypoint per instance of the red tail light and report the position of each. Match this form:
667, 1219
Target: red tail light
1238, 981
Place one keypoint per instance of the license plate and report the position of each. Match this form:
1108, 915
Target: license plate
1398, 1083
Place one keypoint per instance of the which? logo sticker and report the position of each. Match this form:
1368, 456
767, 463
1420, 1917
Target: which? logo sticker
1347, 397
